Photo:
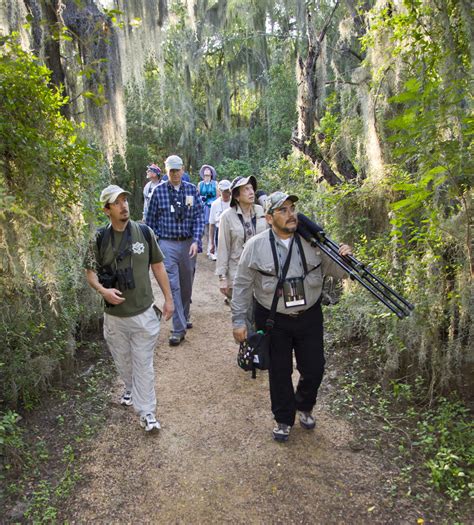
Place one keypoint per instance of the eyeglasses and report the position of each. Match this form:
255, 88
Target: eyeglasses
285, 210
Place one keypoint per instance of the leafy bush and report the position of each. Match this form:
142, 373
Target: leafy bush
46, 172
12, 447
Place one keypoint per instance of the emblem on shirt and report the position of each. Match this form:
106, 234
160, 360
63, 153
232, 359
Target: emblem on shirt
138, 247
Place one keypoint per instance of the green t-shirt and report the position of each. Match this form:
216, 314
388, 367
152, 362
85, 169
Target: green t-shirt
140, 298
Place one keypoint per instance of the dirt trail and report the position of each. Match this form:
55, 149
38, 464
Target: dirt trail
214, 459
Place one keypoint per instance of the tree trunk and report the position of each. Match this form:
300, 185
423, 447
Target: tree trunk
306, 140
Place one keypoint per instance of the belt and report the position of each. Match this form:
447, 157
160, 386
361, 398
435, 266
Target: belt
179, 238
296, 314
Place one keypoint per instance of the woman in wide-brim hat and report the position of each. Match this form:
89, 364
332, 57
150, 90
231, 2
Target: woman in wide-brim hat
242, 220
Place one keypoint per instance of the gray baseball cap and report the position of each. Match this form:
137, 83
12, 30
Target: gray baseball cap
173, 162
276, 199
109, 195
224, 184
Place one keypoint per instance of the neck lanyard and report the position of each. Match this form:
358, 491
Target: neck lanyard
252, 224
277, 256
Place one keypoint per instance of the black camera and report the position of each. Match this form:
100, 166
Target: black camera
107, 277
125, 280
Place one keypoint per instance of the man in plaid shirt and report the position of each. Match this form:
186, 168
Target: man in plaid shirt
175, 213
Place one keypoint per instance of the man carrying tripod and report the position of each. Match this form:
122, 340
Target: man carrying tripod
298, 322
117, 266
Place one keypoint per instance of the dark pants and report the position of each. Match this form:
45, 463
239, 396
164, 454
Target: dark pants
304, 335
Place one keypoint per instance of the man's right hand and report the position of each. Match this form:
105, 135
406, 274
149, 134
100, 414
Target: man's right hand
240, 334
112, 296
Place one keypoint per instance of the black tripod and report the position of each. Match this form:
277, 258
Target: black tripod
314, 234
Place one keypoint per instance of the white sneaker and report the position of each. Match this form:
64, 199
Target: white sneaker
126, 399
149, 422
213, 257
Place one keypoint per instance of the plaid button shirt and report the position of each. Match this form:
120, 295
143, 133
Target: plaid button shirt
167, 205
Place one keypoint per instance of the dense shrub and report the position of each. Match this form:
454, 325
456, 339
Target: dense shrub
45, 168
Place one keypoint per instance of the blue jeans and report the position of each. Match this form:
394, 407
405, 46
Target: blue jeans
180, 267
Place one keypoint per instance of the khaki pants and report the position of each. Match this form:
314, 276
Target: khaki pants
132, 342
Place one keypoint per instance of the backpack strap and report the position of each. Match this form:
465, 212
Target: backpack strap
102, 238
147, 234
302, 255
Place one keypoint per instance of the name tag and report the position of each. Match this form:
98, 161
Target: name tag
293, 292
172, 209
189, 200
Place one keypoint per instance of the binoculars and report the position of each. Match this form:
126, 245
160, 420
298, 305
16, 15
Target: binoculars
121, 278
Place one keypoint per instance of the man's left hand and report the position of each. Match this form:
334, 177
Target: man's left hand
168, 309
193, 250
345, 250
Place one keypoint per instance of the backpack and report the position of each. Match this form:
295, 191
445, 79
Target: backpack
104, 233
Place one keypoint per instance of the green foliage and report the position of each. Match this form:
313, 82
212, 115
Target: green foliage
215, 94
431, 443
12, 446
445, 437
231, 168
410, 223
40, 465
46, 172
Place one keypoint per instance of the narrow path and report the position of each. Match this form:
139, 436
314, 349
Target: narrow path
214, 460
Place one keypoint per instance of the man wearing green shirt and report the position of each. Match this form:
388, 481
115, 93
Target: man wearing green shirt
117, 266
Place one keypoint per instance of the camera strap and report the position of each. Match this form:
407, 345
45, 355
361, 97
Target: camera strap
177, 202
253, 226
125, 244
270, 320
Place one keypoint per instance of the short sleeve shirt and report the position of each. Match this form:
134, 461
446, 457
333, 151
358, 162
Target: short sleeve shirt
140, 298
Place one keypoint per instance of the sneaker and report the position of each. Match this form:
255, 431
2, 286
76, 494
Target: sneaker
281, 432
149, 422
213, 257
175, 340
126, 399
307, 420
189, 325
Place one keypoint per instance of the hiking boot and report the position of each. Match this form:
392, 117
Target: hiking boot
149, 422
126, 399
175, 340
281, 432
307, 420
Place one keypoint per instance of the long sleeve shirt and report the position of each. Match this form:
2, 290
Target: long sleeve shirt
147, 192
176, 214
257, 276
232, 237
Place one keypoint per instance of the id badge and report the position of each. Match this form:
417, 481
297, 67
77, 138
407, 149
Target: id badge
189, 200
172, 209
293, 292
